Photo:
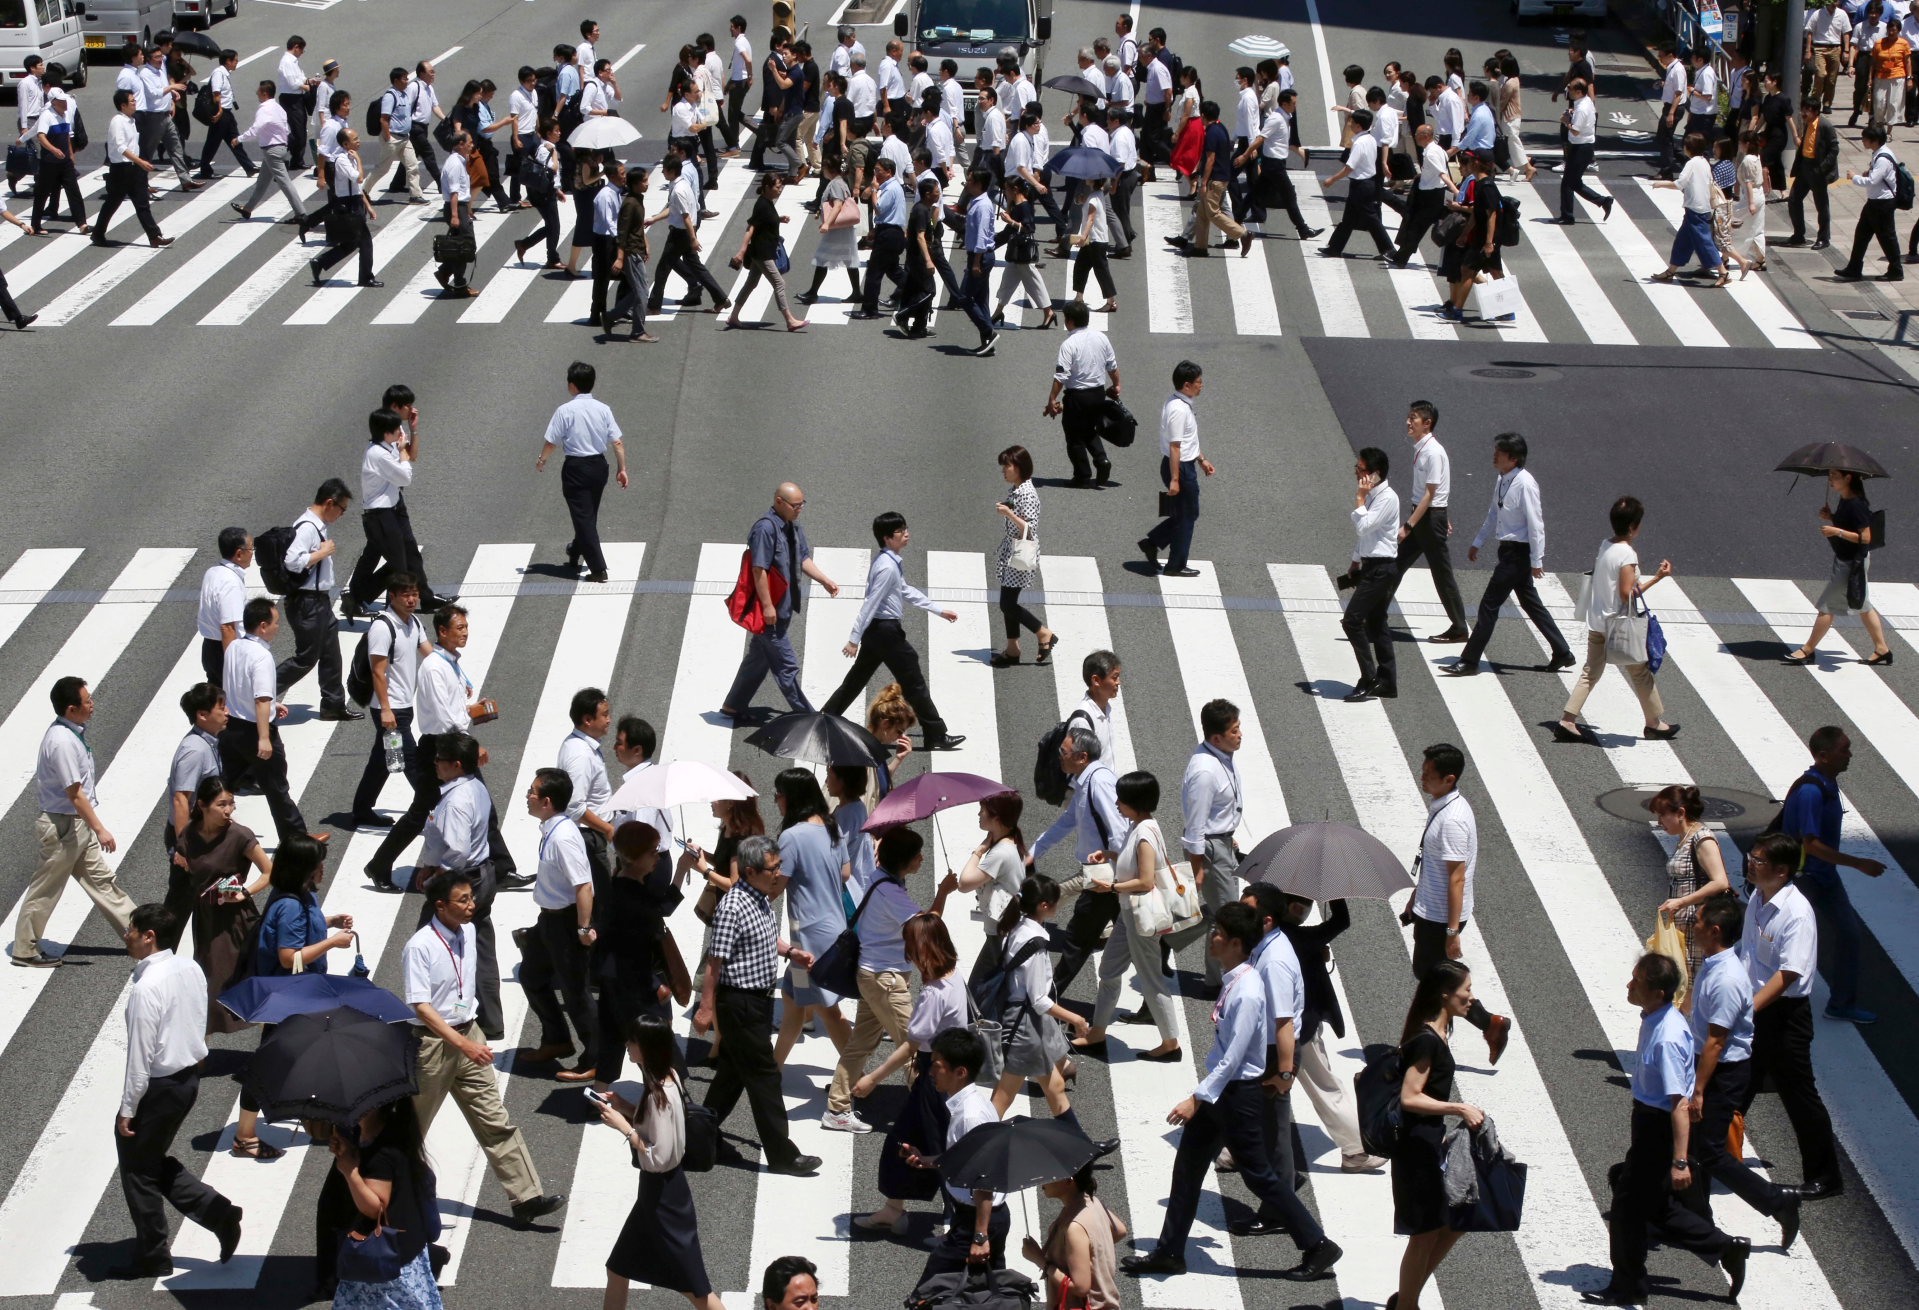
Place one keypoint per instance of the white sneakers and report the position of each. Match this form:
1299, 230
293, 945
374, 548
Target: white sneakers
847, 1121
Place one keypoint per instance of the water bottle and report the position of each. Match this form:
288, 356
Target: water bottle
395, 757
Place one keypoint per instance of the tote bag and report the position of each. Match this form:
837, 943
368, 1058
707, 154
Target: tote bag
1024, 557
1626, 633
1151, 917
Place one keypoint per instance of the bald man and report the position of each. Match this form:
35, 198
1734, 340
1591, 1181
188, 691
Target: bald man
776, 545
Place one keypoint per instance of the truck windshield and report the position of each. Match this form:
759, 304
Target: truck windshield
13, 13
947, 20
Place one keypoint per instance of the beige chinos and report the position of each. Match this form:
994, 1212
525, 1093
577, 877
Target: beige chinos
68, 849
444, 1070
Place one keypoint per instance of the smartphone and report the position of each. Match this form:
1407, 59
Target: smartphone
686, 846
598, 1098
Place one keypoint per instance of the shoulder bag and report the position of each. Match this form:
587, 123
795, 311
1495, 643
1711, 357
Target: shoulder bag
838, 968
1626, 632
372, 1256
1151, 917
844, 214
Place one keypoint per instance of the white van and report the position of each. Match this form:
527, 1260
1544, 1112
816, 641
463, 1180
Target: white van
50, 27
110, 26
199, 13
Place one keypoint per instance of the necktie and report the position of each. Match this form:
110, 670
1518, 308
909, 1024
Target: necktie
793, 563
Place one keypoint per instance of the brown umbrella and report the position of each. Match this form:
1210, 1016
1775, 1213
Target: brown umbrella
1822, 456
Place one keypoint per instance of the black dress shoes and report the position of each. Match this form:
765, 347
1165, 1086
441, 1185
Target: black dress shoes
158, 1267
1361, 693
1788, 1217
1319, 1261
1159, 1262
1103, 1149
525, 1212
1613, 1294
801, 1166
1255, 1227
950, 742
1816, 1191
341, 714
1734, 1263
1557, 663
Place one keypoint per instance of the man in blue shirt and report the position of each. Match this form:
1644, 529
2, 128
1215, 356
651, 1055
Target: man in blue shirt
1657, 1162
889, 236
581, 430
776, 544
1215, 171
1481, 131
980, 232
1813, 813
1092, 816
1227, 1105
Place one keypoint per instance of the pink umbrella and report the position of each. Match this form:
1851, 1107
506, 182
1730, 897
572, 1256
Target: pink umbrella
928, 794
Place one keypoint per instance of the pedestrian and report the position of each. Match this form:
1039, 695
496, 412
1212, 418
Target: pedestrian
166, 1014
1226, 1106
1516, 520
1085, 375
888, 237
1702, 100
776, 547
980, 1221
979, 235
1475, 250
1210, 183
388, 1185
29, 103
739, 81
1427, 204
1094, 243
1279, 968
333, 122
606, 245
886, 1005
1373, 577
52, 135
737, 992
1749, 208
456, 191
1512, 121
1659, 1161
350, 212
839, 217
1273, 185
1695, 871
127, 173
811, 855
627, 957
1033, 1046
1361, 164
1442, 900
309, 604
291, 87
992, 872
195, 759
439, 964
426, 108
397, 643
1020, 510
540, 172
1212, 810
1427, 528
582, 429
153, 115
1813, 814
1878, 217
681, 253
1444, 994
1672, 89
564, 893
209, 887
1866, 27
629, 260
1581, 120
523, 108
396, 131
922, 256
1779, 128
1815, 166
1020, 236
1180, 464
1828, 50
1092, 816
1891, 65
1695, 184
293, 927
1331, 1093
250, 744
760, 246
461, 838
386, 471
1848, 530
1077, 1259
1142, 869
1722, 1034
223, 599
848, 785
878, 637
1613, 593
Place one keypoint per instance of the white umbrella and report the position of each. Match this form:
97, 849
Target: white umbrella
678, 782
603, 132
1257, 47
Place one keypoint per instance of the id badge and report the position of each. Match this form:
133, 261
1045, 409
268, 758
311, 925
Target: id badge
462, 1012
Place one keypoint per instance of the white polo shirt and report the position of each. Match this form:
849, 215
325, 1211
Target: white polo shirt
247, 674
563, 864
223, 598
1451, 834
1178, 422
455, 182
1432, 467
399, 644
65, 758
442, 968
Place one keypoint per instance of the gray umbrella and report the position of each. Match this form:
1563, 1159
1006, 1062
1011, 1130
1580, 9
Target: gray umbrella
1079, 86
1327, 862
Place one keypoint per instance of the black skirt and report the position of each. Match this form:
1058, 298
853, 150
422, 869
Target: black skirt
921, 1125
1419, 1191
660, 1242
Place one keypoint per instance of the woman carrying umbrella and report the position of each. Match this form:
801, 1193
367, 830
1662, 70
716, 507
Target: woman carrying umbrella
997, 866
885, 1003
810, 854
626, 954
1425, 1098
1077, 1258
389, 1184
211, 860
1848, 530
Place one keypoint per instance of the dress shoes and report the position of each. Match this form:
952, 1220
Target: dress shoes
157, 1267
1150, 551
950, 742
1159, 1262
548, 1053
1361, 693
1788, 1217
1816, 1191
1498, 1033
1319, 1261
1733, 1261
1255, 1227
1450, 637
351, 609
1180, 573
341, 714
525, 1212
228, 1231
800, 1166
373, 821
585, 1073
1173, 1056
1105, 1148
1557, 663
1614, 1294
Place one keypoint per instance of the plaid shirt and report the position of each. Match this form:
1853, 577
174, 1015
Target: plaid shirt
743, 936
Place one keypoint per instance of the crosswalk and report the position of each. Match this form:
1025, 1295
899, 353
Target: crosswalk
1539, 843
1586, 284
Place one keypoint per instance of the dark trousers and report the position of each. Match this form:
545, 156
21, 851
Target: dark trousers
1235, 1117
1123, 187
1276, 1124
735, 116
605, 250
1015, 614
1726, 1095
1512, 575
1645, 1196
1365, 624
126, 182
223, 131
1796, 206
975, 292
7, 307
213, 660
1277, 183
151, 1178
680, 257
426, 794
1428, 538
1782, 1049
559, 932
1092, 912
1240, 182
950, 1253
1422, 211
1429, 948
1662, 139
768, 652
916, 300
1773, 155
295, 105
457, 224
889, 243
1156, 138
1080, 409
1361, 215
373, 777
1174, 533
1092, 263
745, 1060
347, 233
1573, 181
582, 483
240, 758
885, 643
1706, 126
486, 885
547, 205
763, 135
1876, 219
490, 156
390, 548
56, 176
316, 640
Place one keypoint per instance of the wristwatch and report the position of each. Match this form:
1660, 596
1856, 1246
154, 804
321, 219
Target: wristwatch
1682, 1164
1452, 932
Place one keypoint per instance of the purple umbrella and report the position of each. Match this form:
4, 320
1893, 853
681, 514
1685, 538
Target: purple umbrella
928, 794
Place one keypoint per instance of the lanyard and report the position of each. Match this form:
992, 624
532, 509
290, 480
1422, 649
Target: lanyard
455, 666
1419, 860
1219, 1006
77, 731
459, 979
546, 837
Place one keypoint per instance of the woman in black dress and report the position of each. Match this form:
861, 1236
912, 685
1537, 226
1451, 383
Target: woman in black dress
660, 1243
1425, 1097
628, 956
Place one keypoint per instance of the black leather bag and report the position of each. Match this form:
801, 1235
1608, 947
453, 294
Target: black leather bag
455, 248
1448, 229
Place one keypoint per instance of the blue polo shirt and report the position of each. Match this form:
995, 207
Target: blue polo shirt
1665, 1067
1722, 998
1814, 810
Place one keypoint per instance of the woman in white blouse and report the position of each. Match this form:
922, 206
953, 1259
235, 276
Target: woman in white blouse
1615, 578
1142, 856
997, 865
1695, 228
660, 1242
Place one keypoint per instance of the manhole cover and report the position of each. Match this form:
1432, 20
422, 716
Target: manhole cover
1504, 374
1508, 373
1726, 807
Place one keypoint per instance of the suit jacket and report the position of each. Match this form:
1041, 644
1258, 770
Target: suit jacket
1312, 943
1824, 163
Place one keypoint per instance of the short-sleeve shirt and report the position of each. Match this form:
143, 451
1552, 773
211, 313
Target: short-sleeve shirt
1451, 834
941, 1004
563, 865
1854, 515
196, 757
744, 937
1278, 965
1426, 1045
882, 922
290, 921
1431, 467
1603, 600
777, 550
1813, 809
1781, 934
1722, 998
582, 427
223, 598
399, 645
1665, 1067
65, 758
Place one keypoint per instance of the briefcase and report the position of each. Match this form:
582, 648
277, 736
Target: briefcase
452, 248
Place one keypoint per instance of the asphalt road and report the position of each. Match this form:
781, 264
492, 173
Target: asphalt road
130, 438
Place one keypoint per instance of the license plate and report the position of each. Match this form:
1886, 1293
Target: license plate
96, 43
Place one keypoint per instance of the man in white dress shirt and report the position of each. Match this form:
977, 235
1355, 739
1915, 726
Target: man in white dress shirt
1581, 120
1373, 577
166, 1026
1427, 528
1180, 465
396, 643
581, 430
1212, 808
563, 890
456, 189
739, 80
1672, 93
1442, 900
72, 835
892, 84
293, 86
1702, 99
1362, 194
440, 966
223, 597
29, 102
159, 139
681, 251
309, 605
250, 746
1877, 216
981, 1219
1517, 521
348, 213
269, 130
460, 836
386, 471
127, 174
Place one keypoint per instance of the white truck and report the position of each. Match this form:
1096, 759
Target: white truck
973, 33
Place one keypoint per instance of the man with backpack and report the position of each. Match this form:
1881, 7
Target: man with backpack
306, 569
394, 644
1877, 218
250, 744
391, 115
1092, 816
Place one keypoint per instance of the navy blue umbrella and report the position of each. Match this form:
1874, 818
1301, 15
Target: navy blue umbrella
1083, 162
275, 1000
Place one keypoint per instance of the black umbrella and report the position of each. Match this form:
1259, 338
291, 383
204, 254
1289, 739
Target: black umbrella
1326, 862
1084, 162
1017, 1153
336, 1064
820, 739
1821, 456
196, 43
1076, 84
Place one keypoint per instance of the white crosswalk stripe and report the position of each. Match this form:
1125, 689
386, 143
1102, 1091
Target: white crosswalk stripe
59, 1192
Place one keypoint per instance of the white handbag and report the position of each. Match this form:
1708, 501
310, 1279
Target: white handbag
1496, 297
1151, 917
1025, 554
1626, 633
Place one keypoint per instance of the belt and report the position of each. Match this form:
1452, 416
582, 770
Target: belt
598, 454
744, 991
1220, 836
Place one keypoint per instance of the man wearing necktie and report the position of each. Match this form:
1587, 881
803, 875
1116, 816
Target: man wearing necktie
776, 544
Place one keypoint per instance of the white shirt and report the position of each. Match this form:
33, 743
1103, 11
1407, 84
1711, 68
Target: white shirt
1433, 173
1432, 467
992, 130
330, 137
33, 100
1781, 934
166, 1023
1376, 524
953, 102
222, 83
841, 61
606, 210
1275, 136
1123, 147
425, 101
1705, 90
1094, 137
1102, 724
383, 474
293, 78
742, 68
1278, 966
1178, 422
1362, 157
563, 864
1449, 115
864, 92
441, 695
1020, 154
442, 968
580, 757
65, 758
155, 93
1881, 177
917, 91
1516, 514
1385, 128
223, 598
1159, 82
1583, 118
1828, 26
525, 110
247, 675
1452, 834
1674, 84
346, 178
1246, 114
383, 636
1119, 88
456, 836
1211, 802
895, 149
966, 1110
1602, 601
1695, 184
683, 202
301, 551
123, 140
939, 140
57, 113
685, 116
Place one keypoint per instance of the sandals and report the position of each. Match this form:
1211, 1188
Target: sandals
1666, 276
1801, 657
1001, 660
1046, 651
252, 1148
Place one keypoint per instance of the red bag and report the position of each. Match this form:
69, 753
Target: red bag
743, 606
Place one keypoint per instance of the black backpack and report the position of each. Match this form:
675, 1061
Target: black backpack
570, 116
206, 106
359, 669
1173, 65
376, 110
1050, 782
992, 980
270, 552
1376, 1088
1506, 226
974, 1288
79, 137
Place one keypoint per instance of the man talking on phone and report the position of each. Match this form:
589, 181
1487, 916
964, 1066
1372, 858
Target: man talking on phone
1373, 576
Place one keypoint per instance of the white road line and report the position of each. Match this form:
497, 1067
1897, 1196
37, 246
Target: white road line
621, 62
1169, 297
422, 289
1781, 327
1419, 289
1339, 311
31, 577
1094, 319
91, 185
207, 261
264, 1193
326, 302
501, 292
1325, 73
584, 655
1255, 312
1597, 317
246, 299
128, 260
261, 53
828, 621
1674, 303
54, 254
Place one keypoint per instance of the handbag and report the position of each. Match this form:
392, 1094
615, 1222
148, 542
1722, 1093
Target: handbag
453, 248
677, 978
743, 605
709, 901
702, 1139
844, 214
1669, 940
1024, 557
1856, 583
1497, 297
371, 1257
1626, 633
781, 261
1448, 229
19, 160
